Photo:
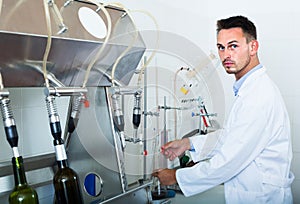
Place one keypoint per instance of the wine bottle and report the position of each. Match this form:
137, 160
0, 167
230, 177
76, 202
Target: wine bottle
22, 193
66, 183
65, 180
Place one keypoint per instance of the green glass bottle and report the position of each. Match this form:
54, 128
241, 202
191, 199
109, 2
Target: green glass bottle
66, 182
22, 193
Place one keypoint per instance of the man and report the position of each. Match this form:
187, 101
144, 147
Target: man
252, 154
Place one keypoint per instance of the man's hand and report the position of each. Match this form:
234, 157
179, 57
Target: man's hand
166, 176
175, 148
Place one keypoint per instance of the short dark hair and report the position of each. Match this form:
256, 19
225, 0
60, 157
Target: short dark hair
242, 22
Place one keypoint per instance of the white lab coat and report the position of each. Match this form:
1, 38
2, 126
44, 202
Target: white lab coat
251, 155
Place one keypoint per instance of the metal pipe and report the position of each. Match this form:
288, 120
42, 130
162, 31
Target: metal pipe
145, 121
127, 90
64, 91
4, 93
165, 107
164, 138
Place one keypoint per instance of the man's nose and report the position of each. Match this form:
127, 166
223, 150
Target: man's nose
227, 53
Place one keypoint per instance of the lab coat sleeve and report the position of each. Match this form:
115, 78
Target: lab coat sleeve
245, 136
205, 146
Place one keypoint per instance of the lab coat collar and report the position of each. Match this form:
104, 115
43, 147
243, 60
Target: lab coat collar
251, 75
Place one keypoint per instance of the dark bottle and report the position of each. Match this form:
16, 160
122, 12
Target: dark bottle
22, 193
66, 182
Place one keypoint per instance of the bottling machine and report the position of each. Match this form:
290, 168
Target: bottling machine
95, 148
83, 55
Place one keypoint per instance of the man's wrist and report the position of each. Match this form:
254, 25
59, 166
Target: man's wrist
187, 143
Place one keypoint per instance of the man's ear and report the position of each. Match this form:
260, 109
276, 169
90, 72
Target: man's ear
254, 47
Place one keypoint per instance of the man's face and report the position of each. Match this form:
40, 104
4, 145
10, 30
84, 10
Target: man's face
234, 51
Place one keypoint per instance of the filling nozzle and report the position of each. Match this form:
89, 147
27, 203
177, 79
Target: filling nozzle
118, 117
78, 97
9, 122
76, 107
77, 102
8, 119
136, 117
53, 117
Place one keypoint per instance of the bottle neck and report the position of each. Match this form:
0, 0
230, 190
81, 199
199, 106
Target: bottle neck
62, 164
61, 155
19, 172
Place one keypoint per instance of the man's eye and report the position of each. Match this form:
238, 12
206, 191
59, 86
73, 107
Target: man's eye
233, 46
221, 48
